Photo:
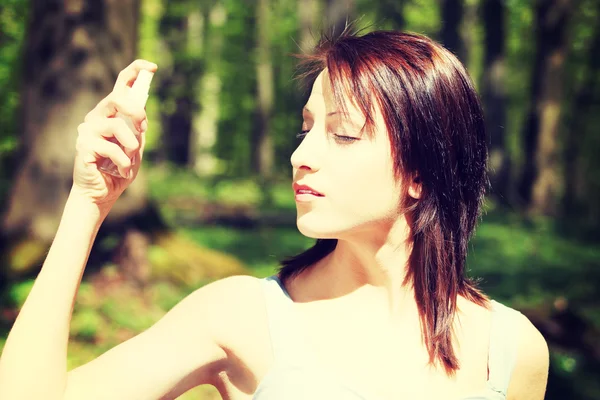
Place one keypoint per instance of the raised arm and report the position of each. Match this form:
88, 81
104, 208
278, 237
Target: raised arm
33, 362
164, 361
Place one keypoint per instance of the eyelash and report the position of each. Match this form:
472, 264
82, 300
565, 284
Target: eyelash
300, 135
339, 138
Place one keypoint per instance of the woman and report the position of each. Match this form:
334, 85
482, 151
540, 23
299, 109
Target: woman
389, 177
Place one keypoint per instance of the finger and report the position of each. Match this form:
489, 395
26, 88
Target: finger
99, 148
127, 76
136, 159
124, 81
118, 129
114, 129
122, 104
142, 145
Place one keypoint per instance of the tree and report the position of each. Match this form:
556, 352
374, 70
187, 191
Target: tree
205, 124
73, 53
452, 14
308, 12
262, 143
337, 14
13, 14
581, 187
541, 180
393, 10
182, 27
494, 95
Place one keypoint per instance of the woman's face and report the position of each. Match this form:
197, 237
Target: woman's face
350, 168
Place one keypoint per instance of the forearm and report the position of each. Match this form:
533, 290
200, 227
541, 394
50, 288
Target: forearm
33, 362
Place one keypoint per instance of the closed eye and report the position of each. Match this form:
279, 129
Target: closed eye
302, 134
344, 139
341, 139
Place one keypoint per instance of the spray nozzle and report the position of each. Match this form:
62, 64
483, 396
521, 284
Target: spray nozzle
142, 82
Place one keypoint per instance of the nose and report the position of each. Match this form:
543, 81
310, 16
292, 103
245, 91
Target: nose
308, 153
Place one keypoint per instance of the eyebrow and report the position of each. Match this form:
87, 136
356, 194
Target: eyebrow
349, 119
305, 109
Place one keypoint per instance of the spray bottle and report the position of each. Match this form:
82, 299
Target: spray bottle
139, 93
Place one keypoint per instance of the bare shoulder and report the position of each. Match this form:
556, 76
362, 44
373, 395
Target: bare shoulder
530, 375
220, 302
231, 289
240, 329
232, 312
232, 301
237, 311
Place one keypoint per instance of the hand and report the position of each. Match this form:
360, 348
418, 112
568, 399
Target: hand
102, 136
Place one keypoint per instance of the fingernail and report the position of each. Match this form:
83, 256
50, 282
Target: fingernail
144, 125
130, 174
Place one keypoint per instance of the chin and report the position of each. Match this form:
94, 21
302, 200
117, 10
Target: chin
316, 227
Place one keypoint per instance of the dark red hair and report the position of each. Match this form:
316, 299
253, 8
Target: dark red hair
434, 120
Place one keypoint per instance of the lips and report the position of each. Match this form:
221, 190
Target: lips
305, 189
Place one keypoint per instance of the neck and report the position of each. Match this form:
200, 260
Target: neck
369, 266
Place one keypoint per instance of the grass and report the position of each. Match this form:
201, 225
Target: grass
261, 250
520, 261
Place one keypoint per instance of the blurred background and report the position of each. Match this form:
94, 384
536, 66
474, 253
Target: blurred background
214, 196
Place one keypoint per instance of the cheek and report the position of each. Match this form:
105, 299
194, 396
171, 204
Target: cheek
367, 183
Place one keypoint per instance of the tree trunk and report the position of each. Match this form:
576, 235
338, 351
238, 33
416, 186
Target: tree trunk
180, 73
577, 200
262, 143
308, 12
338, 13
494, 96
452, 14
541, 180
393, 10
73, 53
205, 123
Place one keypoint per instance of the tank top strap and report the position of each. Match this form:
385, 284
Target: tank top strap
504, 339
286, 341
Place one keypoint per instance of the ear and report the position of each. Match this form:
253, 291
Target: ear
415, 188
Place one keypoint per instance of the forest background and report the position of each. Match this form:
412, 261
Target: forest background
214, 196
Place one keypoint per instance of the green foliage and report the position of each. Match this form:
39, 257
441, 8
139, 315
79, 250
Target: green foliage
129, 312
13, 18
85, 324
423, 17
238, 90
519, 49
261, 250
18, 292
171, 184
165, 295
150, 49
532, 264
